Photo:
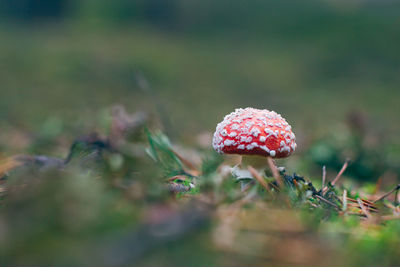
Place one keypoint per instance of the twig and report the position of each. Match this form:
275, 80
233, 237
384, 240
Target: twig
323, 176
275, 172
340, 172
388, 193
327, 201
258, 177
363, 208
344, 208
324, 189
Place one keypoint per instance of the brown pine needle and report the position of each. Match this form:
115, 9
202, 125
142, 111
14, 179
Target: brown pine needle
387, 194
340, 172
258, 177
324, 189
274, 186
370, 206
327, 201
275, 171
363, 208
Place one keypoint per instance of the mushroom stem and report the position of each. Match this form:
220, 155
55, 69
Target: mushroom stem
275, 171
240, 159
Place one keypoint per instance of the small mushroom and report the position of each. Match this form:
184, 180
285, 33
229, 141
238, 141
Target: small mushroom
253, 131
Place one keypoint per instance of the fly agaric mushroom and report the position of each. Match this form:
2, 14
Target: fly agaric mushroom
253, 131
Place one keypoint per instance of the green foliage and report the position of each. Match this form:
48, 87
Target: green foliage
79, 206
210, 163
160, 151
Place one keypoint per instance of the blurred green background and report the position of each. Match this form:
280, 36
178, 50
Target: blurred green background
311, 61
330, 67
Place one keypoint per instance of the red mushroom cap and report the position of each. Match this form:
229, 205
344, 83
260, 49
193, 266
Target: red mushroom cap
254, 132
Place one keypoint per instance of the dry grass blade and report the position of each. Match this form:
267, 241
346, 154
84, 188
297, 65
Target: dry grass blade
258, 177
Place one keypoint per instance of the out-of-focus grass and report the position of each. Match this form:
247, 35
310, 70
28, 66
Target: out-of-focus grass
94, 209
313, 67
109, 203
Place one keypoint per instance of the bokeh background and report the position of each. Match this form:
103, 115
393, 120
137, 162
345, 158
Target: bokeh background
322, 64
313, 62
330, 67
